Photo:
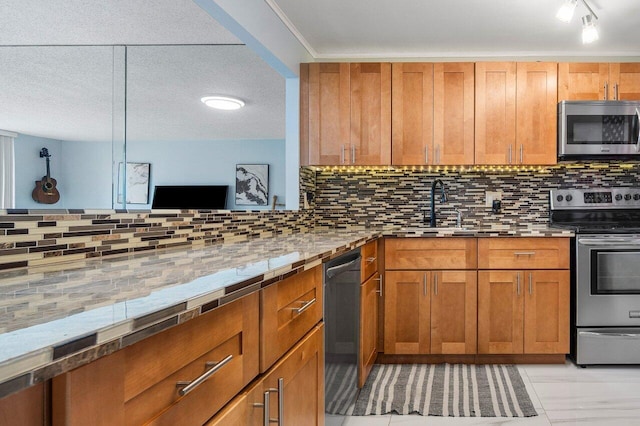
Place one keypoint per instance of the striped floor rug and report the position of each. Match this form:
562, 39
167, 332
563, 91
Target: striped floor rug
449, 390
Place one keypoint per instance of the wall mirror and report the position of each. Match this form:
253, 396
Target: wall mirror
96, 108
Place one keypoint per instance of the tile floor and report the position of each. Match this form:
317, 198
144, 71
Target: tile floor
562, 395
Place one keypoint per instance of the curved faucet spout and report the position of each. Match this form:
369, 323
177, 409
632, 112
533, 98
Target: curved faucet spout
443, 198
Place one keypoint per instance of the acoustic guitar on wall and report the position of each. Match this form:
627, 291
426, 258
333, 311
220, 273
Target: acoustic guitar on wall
45, 191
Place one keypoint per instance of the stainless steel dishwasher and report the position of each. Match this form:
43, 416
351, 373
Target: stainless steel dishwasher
342, 325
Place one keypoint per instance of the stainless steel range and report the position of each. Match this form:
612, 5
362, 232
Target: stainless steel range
605, 272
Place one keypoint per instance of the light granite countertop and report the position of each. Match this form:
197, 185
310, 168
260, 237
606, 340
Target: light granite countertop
56, 318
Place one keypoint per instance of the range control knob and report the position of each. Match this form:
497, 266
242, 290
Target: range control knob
618, 197
559, 198
627, 197
636, 197
569, 197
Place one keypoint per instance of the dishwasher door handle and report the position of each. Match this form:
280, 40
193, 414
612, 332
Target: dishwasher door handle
334, 270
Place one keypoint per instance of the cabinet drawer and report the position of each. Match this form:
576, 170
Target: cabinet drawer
369, 260
155, 365
523, 253
430, 253
288, 310
137, 385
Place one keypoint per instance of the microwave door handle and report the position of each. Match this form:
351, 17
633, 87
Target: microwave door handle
637, 129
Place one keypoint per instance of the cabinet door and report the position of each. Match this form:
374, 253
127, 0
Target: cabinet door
407, 312
453, 312
368, 351
583, 81
453, 113
299, 380
25, 408
329, 113
626, 81
500, 312
431, 253
536, 108
370, 114
495, 138
546, 312
412, 114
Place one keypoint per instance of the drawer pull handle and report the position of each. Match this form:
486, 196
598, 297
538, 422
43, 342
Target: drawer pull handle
186, 387
304, 307
266, 405
518, 283
371, 259
380, 280
530, 284
524, 253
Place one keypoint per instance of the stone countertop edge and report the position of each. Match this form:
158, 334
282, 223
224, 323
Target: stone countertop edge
80, 345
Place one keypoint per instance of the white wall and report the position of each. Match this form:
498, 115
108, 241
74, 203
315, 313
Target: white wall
210, 163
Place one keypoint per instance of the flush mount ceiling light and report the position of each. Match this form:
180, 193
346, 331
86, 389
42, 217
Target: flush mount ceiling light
589, 30
222, 102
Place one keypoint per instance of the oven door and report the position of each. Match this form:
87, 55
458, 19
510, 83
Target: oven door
607, 280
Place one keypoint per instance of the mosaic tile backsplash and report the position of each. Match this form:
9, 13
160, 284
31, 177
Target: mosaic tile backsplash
400, 196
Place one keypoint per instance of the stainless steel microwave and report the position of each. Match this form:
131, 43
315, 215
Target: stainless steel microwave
598, 129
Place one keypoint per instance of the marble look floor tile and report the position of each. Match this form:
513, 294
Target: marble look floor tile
600, 417
367, 420
588, 396
540, 420
569, 372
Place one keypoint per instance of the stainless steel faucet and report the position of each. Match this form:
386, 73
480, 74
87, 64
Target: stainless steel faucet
443, 198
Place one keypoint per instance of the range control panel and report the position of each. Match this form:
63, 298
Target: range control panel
594, 198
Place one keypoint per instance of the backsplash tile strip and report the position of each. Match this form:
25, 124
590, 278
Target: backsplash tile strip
74, 346
400, 196
15, 384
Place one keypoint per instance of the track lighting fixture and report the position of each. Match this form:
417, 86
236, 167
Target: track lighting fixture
589, 30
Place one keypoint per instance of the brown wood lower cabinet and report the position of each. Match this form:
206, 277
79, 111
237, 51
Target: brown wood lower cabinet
369, 295
138, 384
25, 408
430, 312
523, 312
293, 388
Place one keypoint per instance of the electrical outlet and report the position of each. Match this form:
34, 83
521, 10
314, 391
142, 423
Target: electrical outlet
490, 196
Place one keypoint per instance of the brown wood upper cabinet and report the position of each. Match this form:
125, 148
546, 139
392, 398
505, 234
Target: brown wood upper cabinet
345, 113
598, 81
516, 116
433, 113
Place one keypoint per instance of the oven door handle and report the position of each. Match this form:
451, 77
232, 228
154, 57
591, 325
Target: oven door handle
610, 334
608, 241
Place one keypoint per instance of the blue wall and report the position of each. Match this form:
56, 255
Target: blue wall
210, 163
83, 169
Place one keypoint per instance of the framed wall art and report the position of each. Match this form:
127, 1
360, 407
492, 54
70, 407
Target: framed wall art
252, 184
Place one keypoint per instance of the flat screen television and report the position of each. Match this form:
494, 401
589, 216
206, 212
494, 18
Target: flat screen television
200, 197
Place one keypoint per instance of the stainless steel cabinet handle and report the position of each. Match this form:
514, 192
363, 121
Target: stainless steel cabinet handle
341, 154
186, 387
305, 306
281, 401
380, 284
530, 284
265, 404
426, 154
435, 283
424, 284
353, 154
606, 90
615, 92
521, 153
437, 154
510, 154
524, 253
518, 283
371, 259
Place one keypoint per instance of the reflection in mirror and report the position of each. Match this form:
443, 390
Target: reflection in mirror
71, 100
187, 143
59, 98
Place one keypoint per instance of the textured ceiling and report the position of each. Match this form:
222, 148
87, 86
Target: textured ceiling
66, 92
